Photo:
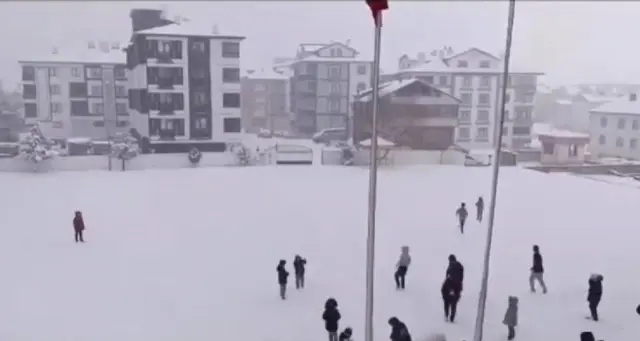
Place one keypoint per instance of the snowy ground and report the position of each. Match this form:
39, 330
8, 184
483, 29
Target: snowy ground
191, 254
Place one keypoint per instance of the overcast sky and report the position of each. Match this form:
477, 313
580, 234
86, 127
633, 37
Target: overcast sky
571, 42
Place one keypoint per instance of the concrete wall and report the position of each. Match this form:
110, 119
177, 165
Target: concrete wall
590, 169
397, 157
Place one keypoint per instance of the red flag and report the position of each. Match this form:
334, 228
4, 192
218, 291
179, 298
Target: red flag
377, 6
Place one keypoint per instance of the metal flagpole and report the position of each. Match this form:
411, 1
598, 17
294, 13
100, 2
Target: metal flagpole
482, 301
373, 178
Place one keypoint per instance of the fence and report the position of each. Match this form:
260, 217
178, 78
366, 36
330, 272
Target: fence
399, 157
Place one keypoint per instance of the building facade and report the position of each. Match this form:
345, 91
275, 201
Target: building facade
265, 99
615, 129
184, 85
475, 77
77, 92
325, 77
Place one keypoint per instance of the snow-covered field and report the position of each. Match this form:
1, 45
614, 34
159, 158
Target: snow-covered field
191, 254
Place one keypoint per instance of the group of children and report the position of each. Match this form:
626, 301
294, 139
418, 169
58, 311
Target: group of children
299, 265
462, 213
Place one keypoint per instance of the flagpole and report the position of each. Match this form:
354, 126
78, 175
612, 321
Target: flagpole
373, 179
482, 301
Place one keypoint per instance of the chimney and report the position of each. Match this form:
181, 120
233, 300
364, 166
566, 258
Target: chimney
91, 45
633, 97
422, 57
145, 18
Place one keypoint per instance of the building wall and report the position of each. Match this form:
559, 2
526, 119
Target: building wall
218, 88
264, 105
560, 155
608, 139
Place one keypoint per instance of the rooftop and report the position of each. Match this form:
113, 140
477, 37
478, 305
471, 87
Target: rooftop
390, 87
100, 53
625, 105
190, 29
265, 73
559, 133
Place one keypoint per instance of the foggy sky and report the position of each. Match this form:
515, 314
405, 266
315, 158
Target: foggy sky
571, 42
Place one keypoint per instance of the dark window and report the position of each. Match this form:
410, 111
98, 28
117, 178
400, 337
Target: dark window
232, 125
121, 91
231, 75
231, 100
198, 46
28, 73
122, 124
94, 73
198, 73
120, 72
77, 90
55, 89
98, 124
463, 64
121, 109
200, 98
30, 110
53, 72
230, 49
79, 108
362, 69
166, 101
161, 75
485, 64
75, 72
29, 91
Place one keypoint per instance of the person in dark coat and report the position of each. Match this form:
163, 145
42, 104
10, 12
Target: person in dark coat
595, 294
331, 316
78, 226
479, 209
399, 331
283, 276
462, 214
450, 298
587, 336
455, 271
346, 334
537, 271
299, 264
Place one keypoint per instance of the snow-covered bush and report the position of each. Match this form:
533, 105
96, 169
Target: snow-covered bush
124, 147
35, 148
194, 156
242, 153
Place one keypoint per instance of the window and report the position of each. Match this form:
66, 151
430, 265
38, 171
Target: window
122, 124
77, 89
463, 64
79, 108
198, 46
120, 72
602, 140
484, 99
334, 105
464, 133
200, 98
29, 91
98, 124
464, 115
444, 80
521, 131
232, 125
603, 122
122, 108
633, 143
482, 133
96, 90
485, 64
548, 148
483, 115
466, 80
97, 108
466, 98
361, 86
573, 150
335, 88
75, 72
505, 131
94, 72
231, 75
55, 89
56, 108
428, 79
362, 69
30, 110
634, 124
53, 72
121, 91
201, 123
619, 142
621, 123
230, 49
231, 100
507, 97
485, 81
507, 115
198, 73
28, 73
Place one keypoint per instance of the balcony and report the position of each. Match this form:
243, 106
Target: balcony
165, 83
164, 58
166, 135
166, 109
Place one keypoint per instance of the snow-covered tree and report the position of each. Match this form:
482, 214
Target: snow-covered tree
35, 148
124, 147
242, 153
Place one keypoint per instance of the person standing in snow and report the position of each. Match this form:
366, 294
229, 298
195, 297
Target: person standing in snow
537, 271
462, 214
455, 272
511, 317
450, 298
399, 331
479, 209
401, 267
331, 316
78, 226
346, 334
283, 276
299, 264
595, 294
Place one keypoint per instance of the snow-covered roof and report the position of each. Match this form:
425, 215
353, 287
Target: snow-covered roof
437, 65
110, 54
543, 88
619, 106
564, 101
598, 98
312, 47
390, 87
265, 73
564, 134
381, 143
314, 58
187, 29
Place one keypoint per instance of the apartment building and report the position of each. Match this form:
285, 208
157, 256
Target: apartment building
475, 77
265, 99
325, 77
615, 129
77, 91
184, 84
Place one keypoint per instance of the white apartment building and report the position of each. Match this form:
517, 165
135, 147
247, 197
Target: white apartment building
475, 77
184, 84
615, 129
77, 91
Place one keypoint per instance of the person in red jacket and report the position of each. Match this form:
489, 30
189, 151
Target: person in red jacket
78, 226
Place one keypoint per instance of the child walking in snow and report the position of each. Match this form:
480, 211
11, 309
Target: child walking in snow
78, 227
462, 214
283, 276
331, 317
511, 317
401, 267
299, 264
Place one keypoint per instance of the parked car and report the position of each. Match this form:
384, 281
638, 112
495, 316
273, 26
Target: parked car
264, 133
330, 135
